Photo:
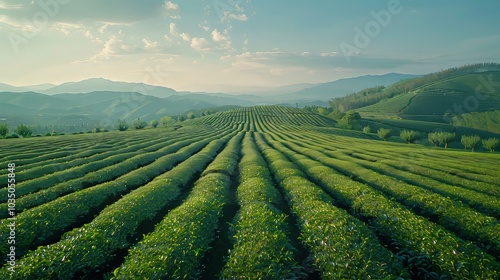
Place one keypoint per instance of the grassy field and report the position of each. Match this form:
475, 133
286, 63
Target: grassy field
251, 193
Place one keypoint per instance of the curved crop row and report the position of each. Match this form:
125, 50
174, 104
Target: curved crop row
90, 154
88, 248
450, 214
88, 178
342, 246
46, 221
262, 249
475, 198
173, 250
415, 238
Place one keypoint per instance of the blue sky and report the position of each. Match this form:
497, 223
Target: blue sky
228, 45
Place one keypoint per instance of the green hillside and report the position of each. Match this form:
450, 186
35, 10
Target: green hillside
466, 96
442, 89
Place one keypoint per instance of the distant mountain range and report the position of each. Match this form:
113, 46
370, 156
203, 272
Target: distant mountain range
343, 87
94, 100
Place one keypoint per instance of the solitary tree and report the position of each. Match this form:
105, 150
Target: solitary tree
409, 136
446, 138
138, 124
384, 133
471, 141
367, 129
433, 137
154, 123
23, 130
4, 130
491, 144
165, 120
350, 121
190, 116
122, 125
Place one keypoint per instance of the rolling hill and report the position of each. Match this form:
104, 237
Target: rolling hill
343, 87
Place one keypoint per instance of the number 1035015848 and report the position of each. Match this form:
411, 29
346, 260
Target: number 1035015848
11, 187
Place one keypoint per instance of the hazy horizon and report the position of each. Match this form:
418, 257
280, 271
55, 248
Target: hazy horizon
220, 46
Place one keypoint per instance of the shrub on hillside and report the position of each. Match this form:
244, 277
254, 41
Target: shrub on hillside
471, 141
138, 124
122, 125
491, 144
154, 123
23, 130
384, 133
4, 130
409, 136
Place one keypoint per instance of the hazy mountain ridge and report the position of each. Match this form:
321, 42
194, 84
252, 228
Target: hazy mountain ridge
97, 99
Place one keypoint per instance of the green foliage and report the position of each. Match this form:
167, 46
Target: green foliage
471, 141
367, 129
166, 120
446, 138
181, 118
350, 121
491, 144
409, 136
4, 130
138, 124
384, 133
180, 241
433, 137
318, 110
336, 115
154, 123
439, 138
13, 135
23, 131
122, 125
374, 95
489, 121
190, 116
261, 227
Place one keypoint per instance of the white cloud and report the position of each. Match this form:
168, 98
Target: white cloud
185, 37
106, 25
329, 54
9, 21
66, 28
222, 38
112, 47
150, 45
306, 54
167, 38
200, 44
173, 29
6, 6
228, 15
169, 6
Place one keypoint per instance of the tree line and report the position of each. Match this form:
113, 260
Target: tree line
374, 95
471, 142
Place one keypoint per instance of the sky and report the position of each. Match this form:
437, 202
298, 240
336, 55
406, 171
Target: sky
233, 45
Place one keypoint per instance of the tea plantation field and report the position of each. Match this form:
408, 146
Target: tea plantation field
252, 193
